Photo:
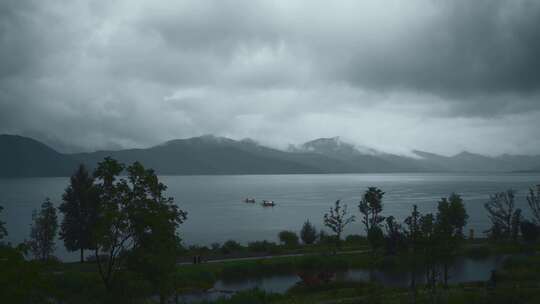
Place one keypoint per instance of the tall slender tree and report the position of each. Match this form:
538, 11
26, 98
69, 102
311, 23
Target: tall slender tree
336, 219
505, 218
80, 210
371, 207
451, 218
533, 198
3, 230
430, 246
43, 231
413, 235
308, 234
114, 234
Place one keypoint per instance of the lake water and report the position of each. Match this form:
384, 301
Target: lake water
217, 213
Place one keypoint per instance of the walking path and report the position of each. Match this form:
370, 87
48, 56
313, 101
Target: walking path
273, 256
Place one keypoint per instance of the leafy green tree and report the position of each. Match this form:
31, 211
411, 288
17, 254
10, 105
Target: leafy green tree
43, 231
451, 218
80, 209
533, 198
336, 219
288, 238
3, 230
154, 220
505, 218
114, 236
370, 207
395, 238
413, 236
308, 234
137, 226
430, 246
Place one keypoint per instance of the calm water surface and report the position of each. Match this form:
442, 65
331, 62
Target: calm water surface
216, 212
462, 270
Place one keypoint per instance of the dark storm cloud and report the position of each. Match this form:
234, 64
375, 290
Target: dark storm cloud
86, 75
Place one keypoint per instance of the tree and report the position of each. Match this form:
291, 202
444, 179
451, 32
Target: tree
113, 231
43, 231
533, 198
429, 244
530, 231
80, 209
154, 220
137, 226
516, 224
504, 217
413, 236
308, 234
395, 239
288, 238
370, 207
3, 230
337, 220
450, 220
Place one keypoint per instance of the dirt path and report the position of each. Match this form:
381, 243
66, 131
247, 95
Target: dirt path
272, 257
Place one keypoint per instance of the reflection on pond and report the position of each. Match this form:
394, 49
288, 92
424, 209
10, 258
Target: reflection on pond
462, 270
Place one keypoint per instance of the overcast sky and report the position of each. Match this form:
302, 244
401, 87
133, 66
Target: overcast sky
442, 76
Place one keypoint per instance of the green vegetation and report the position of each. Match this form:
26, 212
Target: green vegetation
336, 220
43, 231
121, 214
289, 238
308, 234
3, 230
80, 208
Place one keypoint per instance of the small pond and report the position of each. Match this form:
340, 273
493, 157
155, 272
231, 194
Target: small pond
462, 270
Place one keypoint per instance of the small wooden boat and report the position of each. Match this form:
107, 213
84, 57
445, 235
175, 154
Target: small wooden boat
249, 200
267, 203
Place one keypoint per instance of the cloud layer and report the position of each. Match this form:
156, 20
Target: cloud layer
437, 75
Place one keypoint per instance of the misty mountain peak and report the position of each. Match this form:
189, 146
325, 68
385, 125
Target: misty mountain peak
467, 155
334, 145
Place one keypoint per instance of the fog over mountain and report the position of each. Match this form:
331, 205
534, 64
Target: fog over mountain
25, 157
394, 76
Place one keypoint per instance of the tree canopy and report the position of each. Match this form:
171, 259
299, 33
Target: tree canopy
80, 209
137, 225
43, 231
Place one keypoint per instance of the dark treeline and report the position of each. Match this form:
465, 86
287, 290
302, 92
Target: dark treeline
130, 226
121, 216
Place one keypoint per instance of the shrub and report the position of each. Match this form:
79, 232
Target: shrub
215, 246
231, 246
355, 239
308, 234
288, 238
262, 246
530, 231
324, 238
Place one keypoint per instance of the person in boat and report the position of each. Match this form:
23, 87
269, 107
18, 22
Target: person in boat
267, 203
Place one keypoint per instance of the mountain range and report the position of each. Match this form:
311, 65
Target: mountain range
26, 157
